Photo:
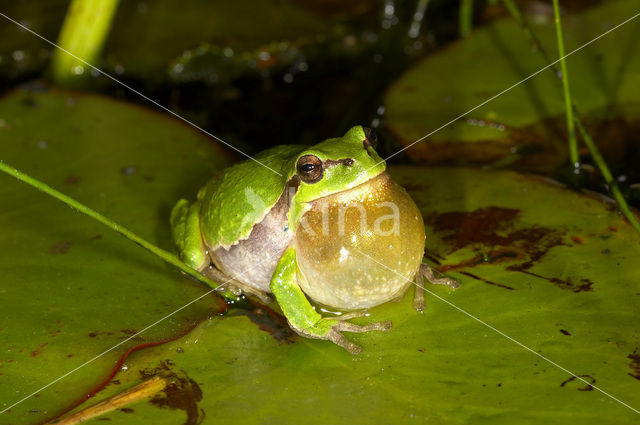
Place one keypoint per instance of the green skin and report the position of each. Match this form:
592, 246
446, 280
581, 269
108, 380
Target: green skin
221, 217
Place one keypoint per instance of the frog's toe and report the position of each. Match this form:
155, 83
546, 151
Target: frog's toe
339, 339
448, 281
335, 334
426, 272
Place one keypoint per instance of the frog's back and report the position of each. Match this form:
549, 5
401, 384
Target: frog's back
242, 195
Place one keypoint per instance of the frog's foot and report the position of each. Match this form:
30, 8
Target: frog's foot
330, 328
426, 272
233, 285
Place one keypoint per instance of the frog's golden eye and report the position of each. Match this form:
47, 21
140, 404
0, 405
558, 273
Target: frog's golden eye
371, 140
309, 168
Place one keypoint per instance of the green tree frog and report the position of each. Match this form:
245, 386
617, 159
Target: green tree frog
328, 226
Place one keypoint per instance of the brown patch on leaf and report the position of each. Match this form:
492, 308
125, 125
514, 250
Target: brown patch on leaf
493, 234
585, 285
634, 364
588, 387
72, 180
96, 333
61, 247
500, 285
36, 352
577, 239
181, 392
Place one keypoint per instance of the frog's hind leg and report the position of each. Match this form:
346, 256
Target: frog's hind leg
426, 273
233, 285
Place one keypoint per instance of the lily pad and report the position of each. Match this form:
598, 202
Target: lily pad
70, 287
527, 122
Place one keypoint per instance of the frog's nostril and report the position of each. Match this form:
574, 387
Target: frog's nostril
348, 162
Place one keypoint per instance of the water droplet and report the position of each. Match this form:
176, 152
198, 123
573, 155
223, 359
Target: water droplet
227, 52
142, 7
119, 69
43, 144
303, 66
78, 70
380, 110
128, 170
178, 68
350, 40
389, 8
18, 55
288, 78
370, 37
264, 56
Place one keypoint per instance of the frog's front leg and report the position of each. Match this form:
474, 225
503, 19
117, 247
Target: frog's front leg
426, 272
303, 318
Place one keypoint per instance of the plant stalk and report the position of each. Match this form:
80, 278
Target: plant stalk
612, 185
165, 255
573, 143
466, 17
83, 34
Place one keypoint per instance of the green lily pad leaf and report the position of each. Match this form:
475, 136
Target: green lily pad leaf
71, 288
553, 269
527, 122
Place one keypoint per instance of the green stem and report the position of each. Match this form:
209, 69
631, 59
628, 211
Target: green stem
165, 255
466, 17
614, 189
83, 34
573, 143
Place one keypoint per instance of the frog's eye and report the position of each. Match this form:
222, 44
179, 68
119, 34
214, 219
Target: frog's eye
309, 168
371, 140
